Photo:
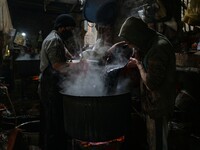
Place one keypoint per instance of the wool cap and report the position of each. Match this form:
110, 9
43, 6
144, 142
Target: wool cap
64, 20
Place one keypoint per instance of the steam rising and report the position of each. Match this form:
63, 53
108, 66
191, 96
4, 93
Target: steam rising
94, 80
90, 83
27, 57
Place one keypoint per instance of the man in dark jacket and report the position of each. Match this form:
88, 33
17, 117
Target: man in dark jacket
155, 60
53, 65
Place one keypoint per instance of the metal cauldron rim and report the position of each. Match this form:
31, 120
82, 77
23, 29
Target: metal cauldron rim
88, 96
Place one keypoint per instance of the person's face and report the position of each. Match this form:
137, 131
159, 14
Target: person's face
67, 32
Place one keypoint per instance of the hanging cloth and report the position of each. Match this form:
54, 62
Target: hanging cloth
5, 19
192, 14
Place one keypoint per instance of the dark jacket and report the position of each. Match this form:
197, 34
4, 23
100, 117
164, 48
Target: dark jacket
159, 63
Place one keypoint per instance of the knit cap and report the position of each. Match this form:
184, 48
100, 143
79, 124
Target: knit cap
64, 20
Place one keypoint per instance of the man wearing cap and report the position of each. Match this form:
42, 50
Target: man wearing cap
52, 63
155, 61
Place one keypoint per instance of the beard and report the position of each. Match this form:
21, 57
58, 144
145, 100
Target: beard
66, 35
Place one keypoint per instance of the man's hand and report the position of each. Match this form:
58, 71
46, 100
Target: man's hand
132, 63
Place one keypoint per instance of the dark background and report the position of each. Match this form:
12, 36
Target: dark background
31, 16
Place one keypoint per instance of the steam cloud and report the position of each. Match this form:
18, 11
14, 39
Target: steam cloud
93, 82
90, 83
27, 57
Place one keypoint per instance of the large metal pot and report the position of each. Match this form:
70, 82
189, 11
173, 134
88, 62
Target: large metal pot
96, 118
100, 12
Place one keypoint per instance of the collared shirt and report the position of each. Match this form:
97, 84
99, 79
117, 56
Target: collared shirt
52, 51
